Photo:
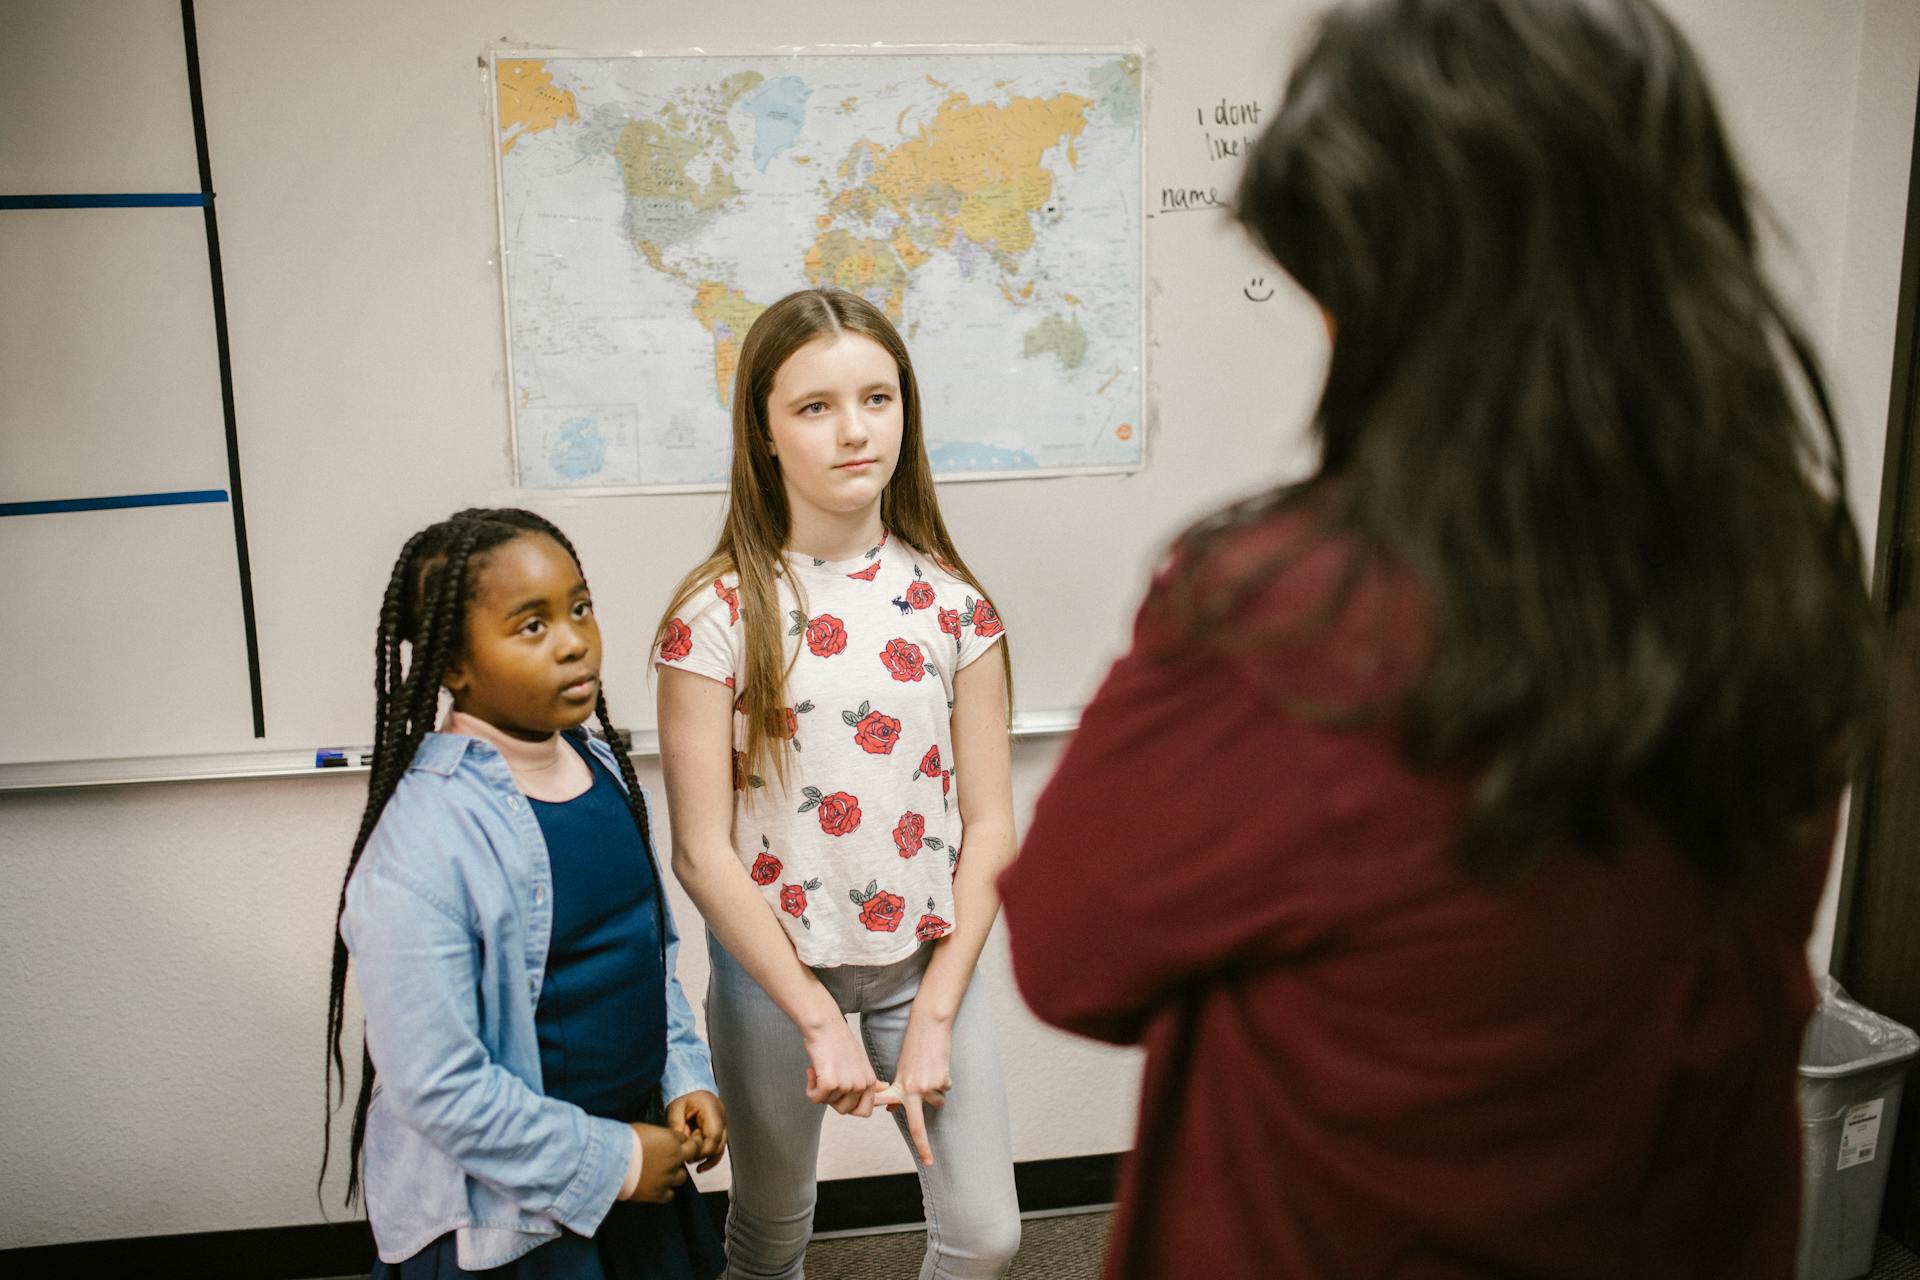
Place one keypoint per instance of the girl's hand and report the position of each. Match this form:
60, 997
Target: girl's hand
922, 1081
839, 1075
663, 1162
700, 1115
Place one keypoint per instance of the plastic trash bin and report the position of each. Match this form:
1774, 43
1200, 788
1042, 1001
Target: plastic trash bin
1851, 1066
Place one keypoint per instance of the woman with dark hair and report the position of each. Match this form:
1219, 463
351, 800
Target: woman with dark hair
1473, 943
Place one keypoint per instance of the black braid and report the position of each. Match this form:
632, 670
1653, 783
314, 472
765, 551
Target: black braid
386, 669
636, 802
424, 608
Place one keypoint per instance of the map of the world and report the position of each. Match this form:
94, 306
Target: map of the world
653, 205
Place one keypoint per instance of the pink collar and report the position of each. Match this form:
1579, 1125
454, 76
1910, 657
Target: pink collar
547, 770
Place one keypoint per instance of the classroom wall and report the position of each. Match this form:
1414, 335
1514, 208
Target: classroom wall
160, 1037
1863, 284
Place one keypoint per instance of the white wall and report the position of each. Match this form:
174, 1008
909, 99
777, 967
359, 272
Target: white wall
166, 945
1864, 286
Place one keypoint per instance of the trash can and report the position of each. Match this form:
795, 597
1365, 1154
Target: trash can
1852, 1062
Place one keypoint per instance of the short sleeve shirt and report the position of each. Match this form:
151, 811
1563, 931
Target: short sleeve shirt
855, 854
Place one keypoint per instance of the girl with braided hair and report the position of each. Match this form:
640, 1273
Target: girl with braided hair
532, 1086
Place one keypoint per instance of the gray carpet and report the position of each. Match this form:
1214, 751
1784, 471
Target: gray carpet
1063, 1248
1894, 1261
1068, 1248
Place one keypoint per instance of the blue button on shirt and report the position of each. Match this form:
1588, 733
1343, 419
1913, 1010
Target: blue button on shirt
449, 916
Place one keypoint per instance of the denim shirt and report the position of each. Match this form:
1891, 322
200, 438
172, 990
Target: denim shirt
448, 916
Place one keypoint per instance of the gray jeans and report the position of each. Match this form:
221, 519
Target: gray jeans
973, 1215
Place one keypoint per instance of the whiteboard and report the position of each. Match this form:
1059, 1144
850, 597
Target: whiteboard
117, 508
352, 151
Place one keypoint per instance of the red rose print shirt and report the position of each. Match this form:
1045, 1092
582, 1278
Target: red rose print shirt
855, 856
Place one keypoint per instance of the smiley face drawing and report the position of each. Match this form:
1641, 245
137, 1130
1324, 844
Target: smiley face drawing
1259, 282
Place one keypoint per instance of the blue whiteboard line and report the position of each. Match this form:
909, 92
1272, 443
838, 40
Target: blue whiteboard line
136, 200
181, 498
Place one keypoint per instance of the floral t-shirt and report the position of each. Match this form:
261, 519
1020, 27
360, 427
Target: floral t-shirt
855, 855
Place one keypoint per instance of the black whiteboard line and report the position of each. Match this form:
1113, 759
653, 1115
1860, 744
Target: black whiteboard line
218, 282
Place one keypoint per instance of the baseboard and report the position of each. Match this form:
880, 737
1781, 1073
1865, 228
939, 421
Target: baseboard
346, 1248
850, 1204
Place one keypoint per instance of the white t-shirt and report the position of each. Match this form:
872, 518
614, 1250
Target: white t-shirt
855, 855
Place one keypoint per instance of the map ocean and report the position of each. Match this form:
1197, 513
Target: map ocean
653, 205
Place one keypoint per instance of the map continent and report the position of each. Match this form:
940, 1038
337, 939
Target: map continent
653, 206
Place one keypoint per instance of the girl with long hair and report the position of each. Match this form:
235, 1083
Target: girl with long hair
837, 766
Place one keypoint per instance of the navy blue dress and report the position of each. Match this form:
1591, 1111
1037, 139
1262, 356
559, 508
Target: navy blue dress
602, 1025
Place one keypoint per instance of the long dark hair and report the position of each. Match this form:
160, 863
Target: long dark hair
758, 522
423, 628
1565, 400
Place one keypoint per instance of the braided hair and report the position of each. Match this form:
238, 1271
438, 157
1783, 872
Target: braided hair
425, 610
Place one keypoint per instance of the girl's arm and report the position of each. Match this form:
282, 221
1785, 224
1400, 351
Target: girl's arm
417, 965
696, 754
982, 762
686, 1083
689, 1066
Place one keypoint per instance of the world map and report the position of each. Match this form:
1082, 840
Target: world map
652, 206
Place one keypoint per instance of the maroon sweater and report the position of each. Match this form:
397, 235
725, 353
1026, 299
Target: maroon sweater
1362, 1062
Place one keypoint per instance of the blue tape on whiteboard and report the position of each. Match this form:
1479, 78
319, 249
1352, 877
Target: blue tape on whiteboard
185, 497
132, 200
